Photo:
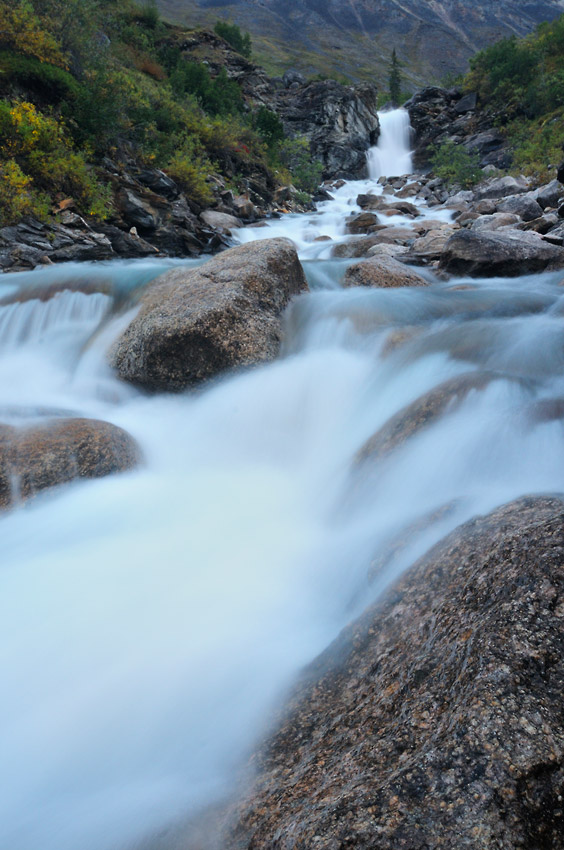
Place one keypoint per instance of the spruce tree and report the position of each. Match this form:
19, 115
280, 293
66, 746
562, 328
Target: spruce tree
395, 79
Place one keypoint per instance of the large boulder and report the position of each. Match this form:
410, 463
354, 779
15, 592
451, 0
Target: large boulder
196, 323
382, 271
511, 253
47, 455
525, 206
435, 720
501, 187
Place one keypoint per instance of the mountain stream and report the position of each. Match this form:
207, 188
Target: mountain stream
151, 622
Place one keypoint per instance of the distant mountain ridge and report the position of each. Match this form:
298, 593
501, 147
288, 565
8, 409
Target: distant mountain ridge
351, 37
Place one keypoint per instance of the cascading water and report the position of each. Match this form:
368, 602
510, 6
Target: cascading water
391, 157
149, 622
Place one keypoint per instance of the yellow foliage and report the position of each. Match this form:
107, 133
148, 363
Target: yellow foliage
22, 31
17, 196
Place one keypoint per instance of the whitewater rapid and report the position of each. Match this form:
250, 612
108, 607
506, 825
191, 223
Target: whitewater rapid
151, 622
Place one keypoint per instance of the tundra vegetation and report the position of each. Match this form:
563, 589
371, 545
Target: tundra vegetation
81, 80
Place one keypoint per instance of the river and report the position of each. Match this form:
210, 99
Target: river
151, 622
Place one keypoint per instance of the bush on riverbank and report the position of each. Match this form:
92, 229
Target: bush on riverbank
521, 82
84, 79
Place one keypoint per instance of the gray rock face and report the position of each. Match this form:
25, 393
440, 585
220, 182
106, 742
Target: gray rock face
435, 720
382, 271
508, 253
38, 458
341, 123
195, 324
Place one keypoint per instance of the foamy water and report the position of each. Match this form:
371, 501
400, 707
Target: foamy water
150, 622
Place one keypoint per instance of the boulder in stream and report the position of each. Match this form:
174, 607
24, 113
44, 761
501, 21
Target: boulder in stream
509, 253
382, 271
47, 455
196, 323
434, 720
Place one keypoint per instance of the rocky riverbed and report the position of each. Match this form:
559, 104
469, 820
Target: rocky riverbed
298, 616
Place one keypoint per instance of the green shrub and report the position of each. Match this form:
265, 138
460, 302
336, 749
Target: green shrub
219, 96
306, 172
454, 164
269, 127
17, 195
241, 42
50, 82
190, 168
40, 149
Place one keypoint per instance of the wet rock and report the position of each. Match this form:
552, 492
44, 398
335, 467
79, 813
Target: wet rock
421, 413
135, 211
434, 720
371, 202
508, 253
355, 248
432, 245
387, 250
524, 206
362, 223
60, 451
127, 244
196, 323
222, 222
382, 271
244, 208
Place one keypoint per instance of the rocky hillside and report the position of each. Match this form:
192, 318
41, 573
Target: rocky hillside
121, 135
349, 37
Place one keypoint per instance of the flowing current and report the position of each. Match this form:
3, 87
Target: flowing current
151, 622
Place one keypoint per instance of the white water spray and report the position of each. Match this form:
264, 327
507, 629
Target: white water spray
149, 622
391, 157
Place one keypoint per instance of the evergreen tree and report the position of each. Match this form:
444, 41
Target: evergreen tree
395, 79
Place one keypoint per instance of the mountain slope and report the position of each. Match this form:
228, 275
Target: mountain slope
350, 37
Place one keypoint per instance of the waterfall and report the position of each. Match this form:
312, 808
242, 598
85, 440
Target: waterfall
392, 155
29, 322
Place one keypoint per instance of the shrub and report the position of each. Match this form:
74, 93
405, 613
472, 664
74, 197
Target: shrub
219, 96
190, 168
233, 36
22, 32
17, 196
38, 146
269, 126
50, 82
306, 172
454, 164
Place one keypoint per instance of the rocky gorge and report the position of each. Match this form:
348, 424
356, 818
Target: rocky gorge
320, 604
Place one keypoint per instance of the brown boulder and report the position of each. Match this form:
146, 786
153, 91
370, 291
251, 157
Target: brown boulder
422, 412
44, 456
435, 720
511, 253
196, 323
362, 223
382, 271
